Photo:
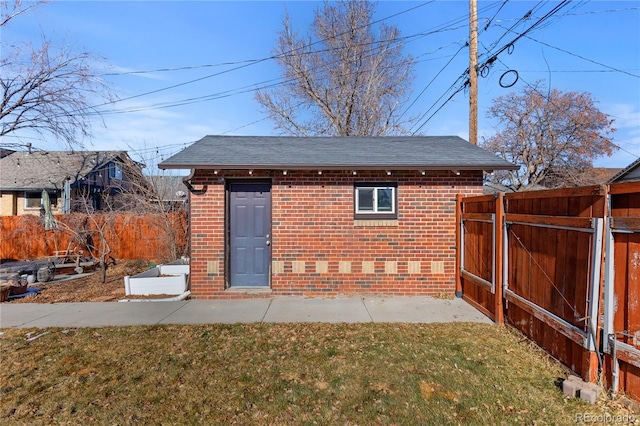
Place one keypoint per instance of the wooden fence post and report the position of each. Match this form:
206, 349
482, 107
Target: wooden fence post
498, 224
458, 243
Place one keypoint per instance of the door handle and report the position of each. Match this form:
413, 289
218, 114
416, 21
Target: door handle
268, 242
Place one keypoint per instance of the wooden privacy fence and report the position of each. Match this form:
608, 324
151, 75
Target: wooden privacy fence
149, 237
536, 260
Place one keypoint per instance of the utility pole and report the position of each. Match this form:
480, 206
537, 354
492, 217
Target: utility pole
473, 72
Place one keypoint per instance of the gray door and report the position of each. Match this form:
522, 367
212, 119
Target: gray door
249, 234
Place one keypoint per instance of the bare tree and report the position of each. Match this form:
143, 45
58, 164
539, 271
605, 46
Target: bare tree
90, 232
552, 135
342, 79
163, 198
47, 90
9, 10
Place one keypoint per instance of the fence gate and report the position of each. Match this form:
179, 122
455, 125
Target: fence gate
533, 260
553, 272
480, 258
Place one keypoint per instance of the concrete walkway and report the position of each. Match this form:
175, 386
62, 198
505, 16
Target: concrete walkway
277, 310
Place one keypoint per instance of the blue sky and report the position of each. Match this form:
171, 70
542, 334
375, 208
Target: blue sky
590, 46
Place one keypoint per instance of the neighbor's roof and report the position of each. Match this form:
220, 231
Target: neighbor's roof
5, 151
39, 170
335, 153
628, 174
169, 188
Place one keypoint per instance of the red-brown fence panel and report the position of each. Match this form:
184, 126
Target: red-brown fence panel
555, 245
536, 256
479, 260
150, 237
552, 287
622, 290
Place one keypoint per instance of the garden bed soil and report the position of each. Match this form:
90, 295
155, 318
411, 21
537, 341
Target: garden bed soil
88, 287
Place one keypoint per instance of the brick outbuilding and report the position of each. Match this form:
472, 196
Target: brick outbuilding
327, 215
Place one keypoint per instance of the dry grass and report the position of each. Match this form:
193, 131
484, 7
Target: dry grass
283, 374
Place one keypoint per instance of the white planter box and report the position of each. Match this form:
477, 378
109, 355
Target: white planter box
174, 280
171, 269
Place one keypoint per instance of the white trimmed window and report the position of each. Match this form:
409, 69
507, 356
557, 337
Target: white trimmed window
376, 201
33, 200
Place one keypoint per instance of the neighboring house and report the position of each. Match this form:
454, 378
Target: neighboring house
494, 188
71, 179
169, 191
327, 215
602, 175
4, 152
629, 174
586, 176
581, 177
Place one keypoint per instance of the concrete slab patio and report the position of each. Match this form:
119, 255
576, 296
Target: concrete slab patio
277, 310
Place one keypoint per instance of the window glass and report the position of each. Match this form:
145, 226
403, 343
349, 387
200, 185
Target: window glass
32, 200
365, 199
385, 199
115, 171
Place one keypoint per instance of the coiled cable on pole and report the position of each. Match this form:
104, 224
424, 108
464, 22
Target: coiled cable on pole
509, 84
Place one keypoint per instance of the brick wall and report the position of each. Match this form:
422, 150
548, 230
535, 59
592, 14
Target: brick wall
317, 246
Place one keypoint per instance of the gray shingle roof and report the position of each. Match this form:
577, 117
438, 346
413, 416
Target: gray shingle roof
4, 152
628, 174
48, 169
357, 153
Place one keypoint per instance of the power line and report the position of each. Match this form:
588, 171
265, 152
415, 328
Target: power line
246, 63
494, 15
561, 110
459, 89
583, 58
526, 17
588, 12
437, 110
453, 22
549, 14
185, 68
488, 62
249, 88
431, 82
597, 12
570, 71
250, 63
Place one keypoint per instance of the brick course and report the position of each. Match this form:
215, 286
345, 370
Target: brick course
314, 234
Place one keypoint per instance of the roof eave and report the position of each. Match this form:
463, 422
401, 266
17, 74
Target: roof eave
32, 189
358, 167
624, 171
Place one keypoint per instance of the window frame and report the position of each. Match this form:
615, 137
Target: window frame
32, 195
37, 195
115, 171
375, 214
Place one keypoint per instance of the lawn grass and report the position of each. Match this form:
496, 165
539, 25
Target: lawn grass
282, 374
